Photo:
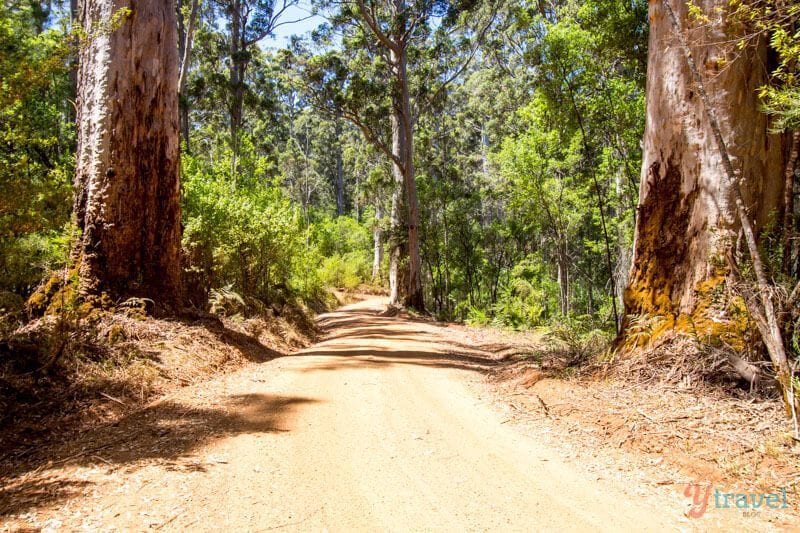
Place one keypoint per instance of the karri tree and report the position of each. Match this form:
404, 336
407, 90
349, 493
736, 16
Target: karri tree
712, 178
380, 38
127, 164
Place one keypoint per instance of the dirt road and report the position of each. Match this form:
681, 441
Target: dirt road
382, 426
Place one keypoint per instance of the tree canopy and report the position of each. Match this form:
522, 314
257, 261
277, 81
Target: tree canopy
494, 149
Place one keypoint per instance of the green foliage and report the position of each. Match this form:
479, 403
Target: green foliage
580, 338
346, 246
36, 143
346, 271
516, 155
521, 305
515, 169
342, 235
252, 240
25, 260
248, 238
520, 144
476, 316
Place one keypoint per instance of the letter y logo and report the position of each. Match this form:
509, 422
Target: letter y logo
699, 498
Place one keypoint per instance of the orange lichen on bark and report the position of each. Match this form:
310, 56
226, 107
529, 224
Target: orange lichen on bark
718, 319
662, 243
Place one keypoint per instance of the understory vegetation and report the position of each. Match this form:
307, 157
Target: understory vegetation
527, 127
287, 202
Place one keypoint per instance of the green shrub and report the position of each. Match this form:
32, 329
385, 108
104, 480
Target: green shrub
341, 235
346, 271
579, 337
520, 305
26, 260
249, 239
346, 246
477, 317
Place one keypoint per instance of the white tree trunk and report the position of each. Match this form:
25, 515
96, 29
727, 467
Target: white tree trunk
377, 237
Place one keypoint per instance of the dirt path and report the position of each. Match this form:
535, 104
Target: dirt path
382, 426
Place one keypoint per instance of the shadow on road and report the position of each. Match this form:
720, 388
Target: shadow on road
373, 341
162, 434
169, 432
358, 356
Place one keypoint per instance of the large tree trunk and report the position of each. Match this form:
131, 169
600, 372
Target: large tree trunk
127, 168
415, 296
687, 216
397, 235
402, 155
405, 126
377, 238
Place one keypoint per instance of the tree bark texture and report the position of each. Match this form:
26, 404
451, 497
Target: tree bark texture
414, 296
687, 213
127, 168
377, 241
405, 126
397, 234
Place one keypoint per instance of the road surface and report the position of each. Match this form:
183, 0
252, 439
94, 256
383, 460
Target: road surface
382, 426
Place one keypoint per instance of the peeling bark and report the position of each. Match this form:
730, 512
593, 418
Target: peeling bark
686, 211
127, 169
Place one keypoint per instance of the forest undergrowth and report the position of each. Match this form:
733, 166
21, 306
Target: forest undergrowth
62, 374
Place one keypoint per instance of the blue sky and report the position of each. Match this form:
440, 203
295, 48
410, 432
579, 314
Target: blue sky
285, 31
